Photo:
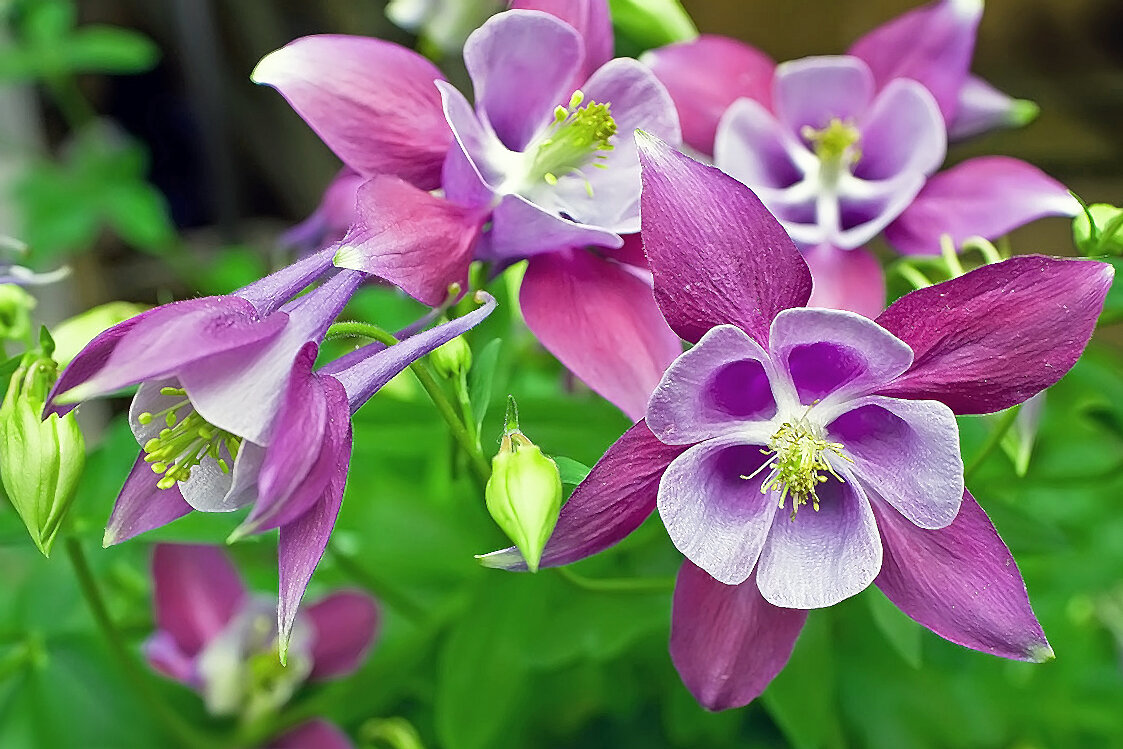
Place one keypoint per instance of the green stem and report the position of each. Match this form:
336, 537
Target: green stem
1009, 416
913, 276
182, 731
617, 585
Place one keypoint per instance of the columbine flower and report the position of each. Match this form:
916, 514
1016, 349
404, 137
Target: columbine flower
796, 455
843, 148
542, 167
219, 639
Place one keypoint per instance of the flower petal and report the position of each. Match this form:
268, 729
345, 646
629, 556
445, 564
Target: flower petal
961, 583
717, 255
331, 219
812, 91
269, 294
315, 734
817, 559
196, 591
727, 642
713, 389
164, 655
753, 146
141, 506
591, 20
613, 500
372, 102
902, 133
733, 70
932, 44
519, 229
523, 64
983, 108
414, 240
846, 279
988, 197
600, 320
711, 503
999, 334
907, 453
834, 353
345, 623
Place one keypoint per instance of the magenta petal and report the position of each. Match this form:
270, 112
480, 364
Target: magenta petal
727, 642
197, 591
849, 280
316, 734
999, 334
983, 108
613, 500
733, 70
987, 197
717, 255
815, 90
961, 583
164, 655
592, 21
600, 320
141, 506
415, 240
932, 44
523, 64
371, 101
344, 625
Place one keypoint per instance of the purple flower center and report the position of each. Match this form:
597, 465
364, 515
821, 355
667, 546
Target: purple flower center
186, 441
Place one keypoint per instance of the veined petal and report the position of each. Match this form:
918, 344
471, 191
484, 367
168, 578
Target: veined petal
196, 590
315, 734
999, 334
987, 196
141, 506
717, 255
815, 90
727, 641
902, 133
613, 500
961, 583
372, 102
600, 320
846, 279
733, 70
344, 626
520, 228
983, 108
591, 20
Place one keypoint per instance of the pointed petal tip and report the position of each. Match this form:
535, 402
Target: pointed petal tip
348, 257
1023, 112
1042, 653
264, 73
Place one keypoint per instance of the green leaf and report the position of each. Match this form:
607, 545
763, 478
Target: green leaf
480, 379
108, 49
905, 635
138, 213
652, 23
572, 472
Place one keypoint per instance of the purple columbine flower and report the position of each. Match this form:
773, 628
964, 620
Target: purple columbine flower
543, 167
798, 454
219, 639
842, 149
231, 412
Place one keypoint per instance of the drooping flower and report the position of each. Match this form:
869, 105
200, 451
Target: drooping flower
221, 640
798, 454
543, 167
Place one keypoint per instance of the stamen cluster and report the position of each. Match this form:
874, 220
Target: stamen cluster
836, 143
185, 442
578, 135
798, 462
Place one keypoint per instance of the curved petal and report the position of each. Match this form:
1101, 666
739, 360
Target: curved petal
329, 222
519, 229
613, 500
727, 642
817, 559
711, 502
372, 102
907, 453
999, 334
523, 64
164, 655
484, 159
865, 208
591, 20
315, 734
834, 353
988, 197
344, 624
846, 279
601, 322
902, 133
210, 489
733, 70
713, 389
270, 293
983, 108
812, 91
961, 583
141, 506
932, 44
753, 146
717, 255
196, 591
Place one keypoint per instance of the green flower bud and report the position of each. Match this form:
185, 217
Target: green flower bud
72, 335
524, 493
15, 312
1099, 230
41, 460
452, 359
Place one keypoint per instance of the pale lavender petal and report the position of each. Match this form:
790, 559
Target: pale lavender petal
932, 44
817, 559
371, 101
836, 354
519, 228
846, 279
196, 592
711, 503
592, 21
164, 655
727, 642
269, 294
999, 334
907, 453
483, 160
961, 582
713, 389
753, 146
315, 734
600, 320
902, 133
210, 489
613, 500
987, 197
522, 65
812, 91
344, 624
717, 255
733, 70
865, 208
141, 506
983, 108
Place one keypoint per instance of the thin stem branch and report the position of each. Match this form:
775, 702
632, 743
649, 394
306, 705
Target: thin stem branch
993, 441
619, 584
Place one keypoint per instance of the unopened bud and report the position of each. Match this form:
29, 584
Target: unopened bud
1098, 230
524, 493
15, 313
452, 359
